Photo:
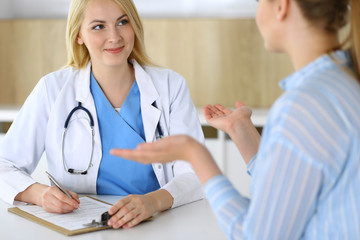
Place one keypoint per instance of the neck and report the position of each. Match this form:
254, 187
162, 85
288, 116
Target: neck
115, 82
305, 49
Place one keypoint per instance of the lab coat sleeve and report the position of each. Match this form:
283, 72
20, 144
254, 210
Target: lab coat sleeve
185, 187
23, 145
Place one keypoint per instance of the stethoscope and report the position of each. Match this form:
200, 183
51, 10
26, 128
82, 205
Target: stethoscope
91, 122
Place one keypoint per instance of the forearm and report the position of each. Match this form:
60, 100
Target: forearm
162, 199
202, 161
246, 138
228, 205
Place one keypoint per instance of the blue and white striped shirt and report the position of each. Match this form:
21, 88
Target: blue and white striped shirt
306, 175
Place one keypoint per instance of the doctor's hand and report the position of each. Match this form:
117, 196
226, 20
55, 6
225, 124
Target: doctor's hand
225, 119
55, 201
133, 209
52, 199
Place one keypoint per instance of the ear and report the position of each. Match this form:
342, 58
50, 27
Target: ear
282, 9
79, 40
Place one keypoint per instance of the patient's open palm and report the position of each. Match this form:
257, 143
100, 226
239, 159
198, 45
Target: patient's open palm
223, 118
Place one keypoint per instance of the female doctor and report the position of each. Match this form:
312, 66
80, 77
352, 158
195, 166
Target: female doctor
108, 96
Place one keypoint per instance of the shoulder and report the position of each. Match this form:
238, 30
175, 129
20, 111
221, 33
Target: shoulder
319, 116
58, 79
155, 73
165, 81
62, 80
162, 74
327, 88
61, 75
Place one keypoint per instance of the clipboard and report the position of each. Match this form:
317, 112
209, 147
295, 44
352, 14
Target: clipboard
57, 228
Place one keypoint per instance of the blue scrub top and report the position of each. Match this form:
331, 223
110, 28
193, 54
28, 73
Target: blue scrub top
118, 176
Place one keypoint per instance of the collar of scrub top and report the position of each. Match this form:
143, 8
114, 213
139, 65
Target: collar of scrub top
149, 94
91, 122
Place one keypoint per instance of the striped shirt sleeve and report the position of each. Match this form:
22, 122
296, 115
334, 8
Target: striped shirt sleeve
285, 190
229, 206
285, 193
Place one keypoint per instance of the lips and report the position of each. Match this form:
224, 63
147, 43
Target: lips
114, 50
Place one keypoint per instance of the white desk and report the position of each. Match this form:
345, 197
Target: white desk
192, 221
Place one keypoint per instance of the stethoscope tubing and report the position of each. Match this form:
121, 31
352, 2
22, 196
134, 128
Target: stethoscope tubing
91, 122
71, 170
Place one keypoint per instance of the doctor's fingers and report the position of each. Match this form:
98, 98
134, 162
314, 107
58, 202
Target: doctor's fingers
130, 219
127, 204
125, 211
75, 196
135, 221
54, 200
131, 210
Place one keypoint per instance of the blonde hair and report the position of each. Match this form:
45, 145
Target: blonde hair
355, 36
332, 15
78, 55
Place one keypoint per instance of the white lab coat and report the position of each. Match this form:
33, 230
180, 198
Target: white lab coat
39, 126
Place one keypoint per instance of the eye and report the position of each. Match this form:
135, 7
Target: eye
123, 22
98, 27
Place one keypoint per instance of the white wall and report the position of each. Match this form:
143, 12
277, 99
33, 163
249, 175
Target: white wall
5, 9
40, 8
196, 8
146, 8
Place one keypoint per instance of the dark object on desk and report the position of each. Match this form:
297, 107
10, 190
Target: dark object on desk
103, 222
105, 218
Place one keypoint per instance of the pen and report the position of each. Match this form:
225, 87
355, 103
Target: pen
52, 179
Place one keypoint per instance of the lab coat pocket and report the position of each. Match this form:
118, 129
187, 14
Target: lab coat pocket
78, 143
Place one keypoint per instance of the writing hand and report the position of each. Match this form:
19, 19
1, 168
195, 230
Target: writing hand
55, 201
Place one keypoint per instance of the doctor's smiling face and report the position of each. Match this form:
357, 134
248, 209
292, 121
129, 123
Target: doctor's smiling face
107, 33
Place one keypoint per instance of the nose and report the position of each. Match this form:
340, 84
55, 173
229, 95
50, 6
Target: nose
114, 35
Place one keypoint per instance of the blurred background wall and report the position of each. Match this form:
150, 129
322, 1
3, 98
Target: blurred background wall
214, 44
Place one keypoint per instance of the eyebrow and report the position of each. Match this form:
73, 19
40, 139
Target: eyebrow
102, 21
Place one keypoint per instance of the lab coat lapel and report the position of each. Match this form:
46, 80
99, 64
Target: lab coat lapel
82, 85
148, 96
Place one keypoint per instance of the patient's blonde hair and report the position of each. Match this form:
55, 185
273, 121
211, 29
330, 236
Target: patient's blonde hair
332, 15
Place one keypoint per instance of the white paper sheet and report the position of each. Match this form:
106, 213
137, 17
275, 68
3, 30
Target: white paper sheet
89, 209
